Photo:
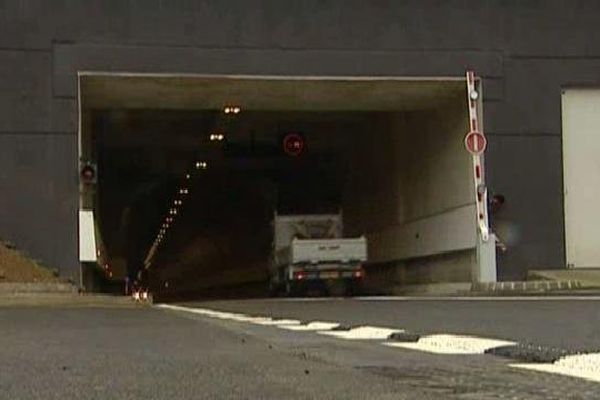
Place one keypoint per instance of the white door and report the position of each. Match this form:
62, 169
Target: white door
581, 164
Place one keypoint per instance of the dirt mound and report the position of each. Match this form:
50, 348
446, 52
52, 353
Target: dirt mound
16, 267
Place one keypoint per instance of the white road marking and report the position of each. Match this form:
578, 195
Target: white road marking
312, 326
585, 366
278, 322
201, 311
217, 314
477, 298
304, 299
452, 344
246, 318
362, 332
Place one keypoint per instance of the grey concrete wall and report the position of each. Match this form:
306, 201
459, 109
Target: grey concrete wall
525, 52
434, 166
411, 190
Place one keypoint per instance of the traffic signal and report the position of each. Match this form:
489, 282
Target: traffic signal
293, 144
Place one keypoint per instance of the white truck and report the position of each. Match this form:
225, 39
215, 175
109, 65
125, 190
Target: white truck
310, 252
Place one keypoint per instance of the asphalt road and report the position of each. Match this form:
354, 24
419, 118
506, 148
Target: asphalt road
557, 322
147, 353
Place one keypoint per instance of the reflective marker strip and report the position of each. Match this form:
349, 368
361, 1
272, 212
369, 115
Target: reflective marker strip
584, 366
452, 344
362, 332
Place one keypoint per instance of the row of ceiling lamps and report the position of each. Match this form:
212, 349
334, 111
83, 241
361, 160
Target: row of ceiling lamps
184, 190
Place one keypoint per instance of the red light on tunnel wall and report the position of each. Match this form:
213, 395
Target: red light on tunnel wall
87, 174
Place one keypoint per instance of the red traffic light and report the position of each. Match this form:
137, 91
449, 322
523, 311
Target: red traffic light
293, 144
88, 174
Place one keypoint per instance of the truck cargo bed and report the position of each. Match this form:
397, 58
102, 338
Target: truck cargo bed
313, 251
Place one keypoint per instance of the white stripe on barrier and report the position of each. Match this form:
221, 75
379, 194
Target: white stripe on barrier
362, 332
584, 366
452, 344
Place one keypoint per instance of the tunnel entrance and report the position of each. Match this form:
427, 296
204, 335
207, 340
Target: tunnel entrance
201, 163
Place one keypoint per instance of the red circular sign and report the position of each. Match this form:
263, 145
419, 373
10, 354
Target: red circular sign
88, 174
293, 144
475, 142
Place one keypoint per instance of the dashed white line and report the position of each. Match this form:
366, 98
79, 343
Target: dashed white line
279, 322
478, 298
312, 326
452, 344
585, 366
363, 333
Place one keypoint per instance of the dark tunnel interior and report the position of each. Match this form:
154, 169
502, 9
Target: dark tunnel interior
220, 240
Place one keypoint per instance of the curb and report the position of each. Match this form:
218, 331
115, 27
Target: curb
39, 299
7, 288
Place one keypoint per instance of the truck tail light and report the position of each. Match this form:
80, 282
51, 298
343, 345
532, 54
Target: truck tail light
359, 274
299, 275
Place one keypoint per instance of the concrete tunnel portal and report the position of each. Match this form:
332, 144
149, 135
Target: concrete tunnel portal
388, 152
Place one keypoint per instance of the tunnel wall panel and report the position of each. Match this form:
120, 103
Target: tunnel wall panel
444, 233
527, 232
25, 91
412, 193
434, 166
38, 197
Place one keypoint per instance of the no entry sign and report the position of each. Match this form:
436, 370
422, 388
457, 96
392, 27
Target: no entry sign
293, 144
475, 142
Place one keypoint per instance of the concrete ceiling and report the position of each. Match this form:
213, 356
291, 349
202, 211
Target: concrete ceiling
128, 91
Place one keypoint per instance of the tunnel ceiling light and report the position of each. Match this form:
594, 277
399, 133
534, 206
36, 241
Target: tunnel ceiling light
187, 176
183, 191
216, 137
201, 165
232, 109
474, 95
